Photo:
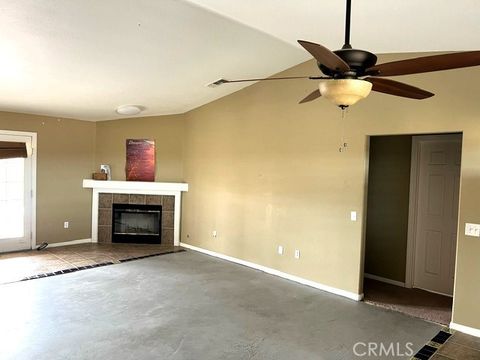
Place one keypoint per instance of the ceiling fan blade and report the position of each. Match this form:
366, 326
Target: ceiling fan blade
325, 56
314, 95
225, 81
427, 64
396, 88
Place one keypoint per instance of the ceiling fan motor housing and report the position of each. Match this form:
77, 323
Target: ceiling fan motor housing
358, 61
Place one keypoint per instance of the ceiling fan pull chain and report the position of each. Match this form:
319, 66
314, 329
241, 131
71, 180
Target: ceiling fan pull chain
343, 143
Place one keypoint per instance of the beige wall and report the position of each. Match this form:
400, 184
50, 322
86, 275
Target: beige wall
65, 153
167, 131
387, 206
264, 171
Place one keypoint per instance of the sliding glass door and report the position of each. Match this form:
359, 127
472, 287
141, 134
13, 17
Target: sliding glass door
15, 192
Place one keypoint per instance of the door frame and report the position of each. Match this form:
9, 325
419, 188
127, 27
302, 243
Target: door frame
413, 203
33, 174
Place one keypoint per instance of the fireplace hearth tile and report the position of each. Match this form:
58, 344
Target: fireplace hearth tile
137, 199
105, 234
104, 217
168, 203
167, 236
153, 199
105, 200
120, 198
167, 219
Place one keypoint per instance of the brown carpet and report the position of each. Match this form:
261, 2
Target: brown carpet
18, 266
414, 302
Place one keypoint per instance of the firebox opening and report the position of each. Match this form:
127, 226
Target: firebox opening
140, 224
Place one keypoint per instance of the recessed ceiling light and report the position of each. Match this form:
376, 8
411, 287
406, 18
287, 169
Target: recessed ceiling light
129, 109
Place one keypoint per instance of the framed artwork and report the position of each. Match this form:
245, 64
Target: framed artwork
140, 165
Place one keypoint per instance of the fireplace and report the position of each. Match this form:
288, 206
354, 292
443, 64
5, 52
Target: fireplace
135, 223
106, 193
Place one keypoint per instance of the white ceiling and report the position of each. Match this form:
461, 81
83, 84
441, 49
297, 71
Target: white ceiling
380, 26
83, 58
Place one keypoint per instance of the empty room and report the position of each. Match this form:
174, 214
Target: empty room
211, 179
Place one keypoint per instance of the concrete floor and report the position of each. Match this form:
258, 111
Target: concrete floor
190, 306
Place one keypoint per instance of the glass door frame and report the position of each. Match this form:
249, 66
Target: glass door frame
31, 212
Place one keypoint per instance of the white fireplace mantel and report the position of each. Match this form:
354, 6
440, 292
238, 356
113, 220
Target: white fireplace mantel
136, 187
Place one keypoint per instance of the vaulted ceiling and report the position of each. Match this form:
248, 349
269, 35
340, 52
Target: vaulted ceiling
84, 58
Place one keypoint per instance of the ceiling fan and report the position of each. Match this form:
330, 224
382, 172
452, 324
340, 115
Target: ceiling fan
350, 74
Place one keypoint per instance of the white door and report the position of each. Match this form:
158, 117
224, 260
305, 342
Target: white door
438, 183
16, 198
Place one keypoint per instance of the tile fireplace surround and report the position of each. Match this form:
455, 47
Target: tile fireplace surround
105, 193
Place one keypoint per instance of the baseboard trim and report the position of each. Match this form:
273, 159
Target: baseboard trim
330, 289
71, 242
465, 329
385, 280
434, 292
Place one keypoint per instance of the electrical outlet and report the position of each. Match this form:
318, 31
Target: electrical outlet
280, 250
214, 233
297, 254
472, 229
66, 225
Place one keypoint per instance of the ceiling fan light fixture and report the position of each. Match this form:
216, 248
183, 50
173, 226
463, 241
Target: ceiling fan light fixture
129, 110
345, 92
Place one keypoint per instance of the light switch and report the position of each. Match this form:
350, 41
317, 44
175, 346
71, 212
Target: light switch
472, 229
353, 215
280, 250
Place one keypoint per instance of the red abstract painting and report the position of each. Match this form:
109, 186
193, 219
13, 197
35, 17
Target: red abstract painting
140, 164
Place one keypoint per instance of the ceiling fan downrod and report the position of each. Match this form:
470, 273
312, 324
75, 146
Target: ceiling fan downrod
347, 25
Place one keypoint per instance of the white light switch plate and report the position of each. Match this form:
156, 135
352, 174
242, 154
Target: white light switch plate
66, 225
280, 250
353, 215
472, 229
297, 254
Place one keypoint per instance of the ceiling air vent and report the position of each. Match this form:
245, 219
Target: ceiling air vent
216, 83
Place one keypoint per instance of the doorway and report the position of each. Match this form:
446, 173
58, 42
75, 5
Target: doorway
411, 226
17, 190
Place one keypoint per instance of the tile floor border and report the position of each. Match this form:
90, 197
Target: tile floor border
429, 350
92, 266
